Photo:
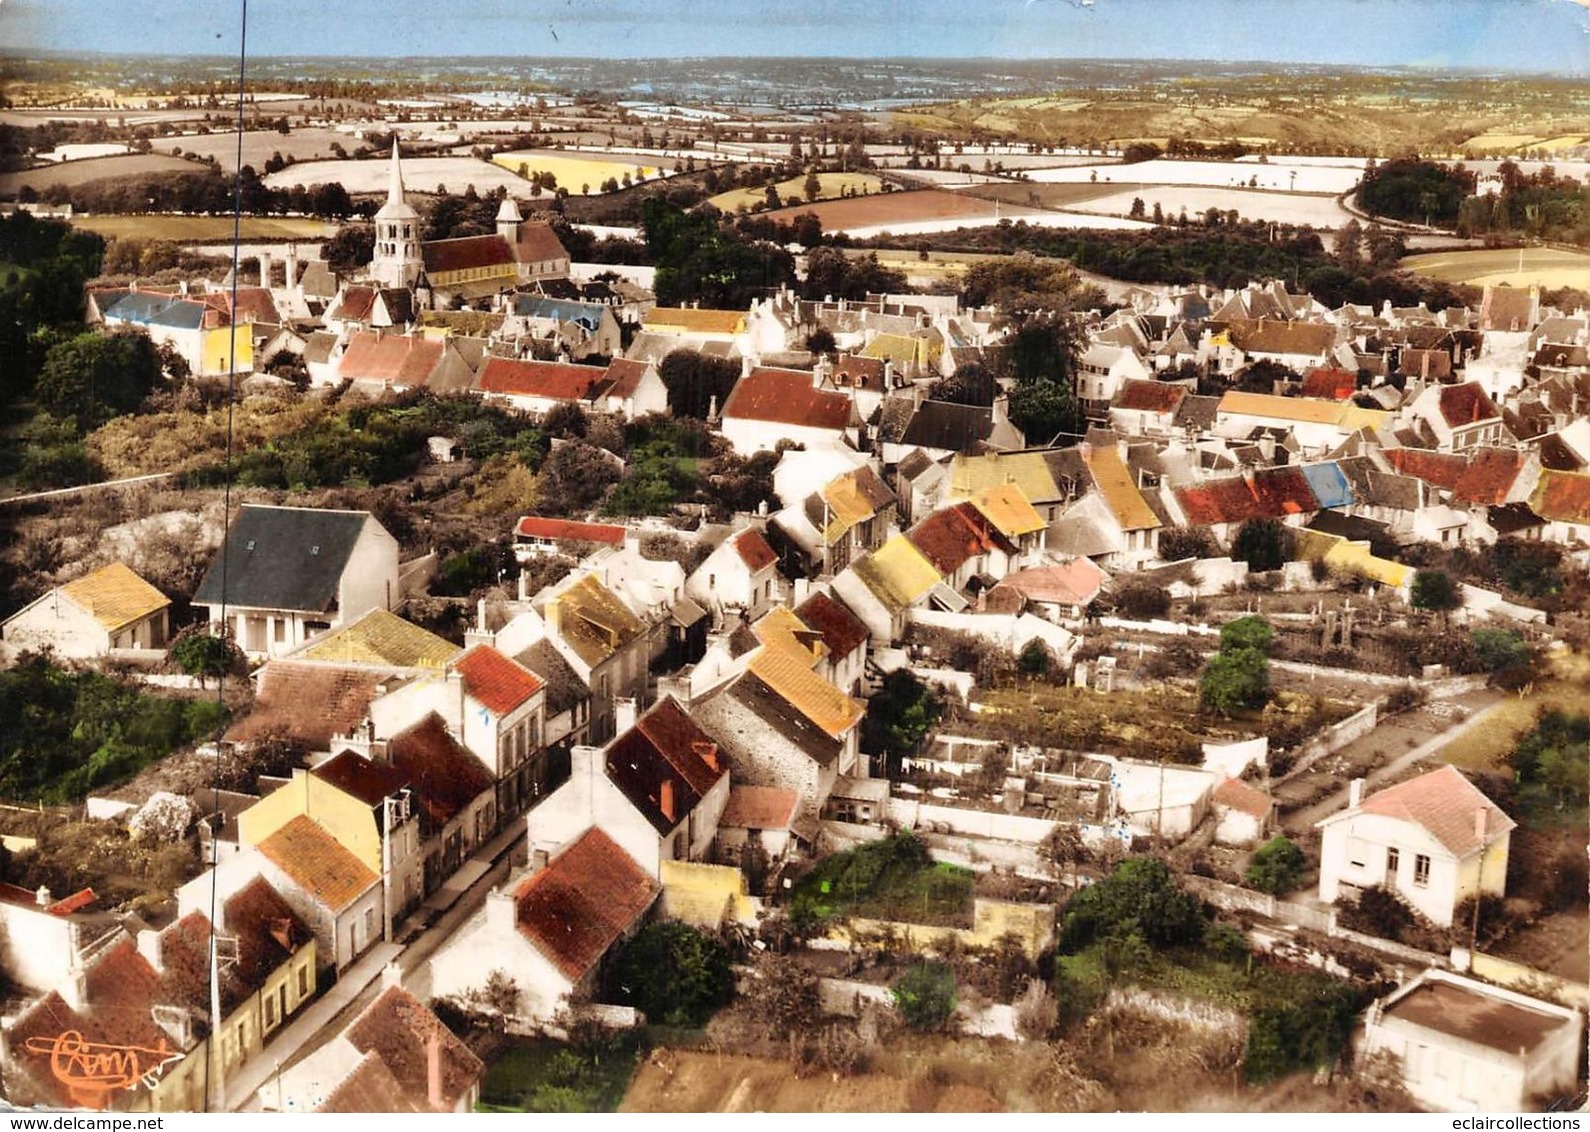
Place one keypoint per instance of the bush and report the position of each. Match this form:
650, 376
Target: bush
672, 973
1178, 543
1139, 897
1235, 680
1250, 632
1264, 544
1277, 867
1500, 649
200, 653
1142, 600
1434, 590
925, 996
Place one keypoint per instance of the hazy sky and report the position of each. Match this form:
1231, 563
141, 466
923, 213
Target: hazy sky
1551, 36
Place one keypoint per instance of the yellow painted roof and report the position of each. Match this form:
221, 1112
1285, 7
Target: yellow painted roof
780, 629
689, 320
1028, 470
847, 506
903, 349
1007, 508
1306, 410
383, 638
594, 621
1355, 417
808, 693
1115, 484
1352, 556
116, 596
898, 573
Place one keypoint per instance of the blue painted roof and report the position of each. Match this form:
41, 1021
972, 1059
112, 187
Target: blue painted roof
157, 310
588, 315
1329, 485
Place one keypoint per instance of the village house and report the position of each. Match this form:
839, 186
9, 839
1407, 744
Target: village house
657, 790
1102, 371
830, 528
396, 1056
741, 574
376, 363
107, 610
603, 641
1434, 841
1459, 417
201, 334
1460, 1045
882, 587
550, 931
286, 573
843, 658
536, 536
769, 405
578, 329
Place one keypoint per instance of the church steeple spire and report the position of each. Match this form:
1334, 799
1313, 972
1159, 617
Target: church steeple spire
394, 191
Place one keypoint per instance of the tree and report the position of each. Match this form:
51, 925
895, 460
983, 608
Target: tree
672, 973
94, 377
1179, 543
1142, 600
1022, 285
1138, 209
1233, 680
574, 478
1349, 246
813, 186
698, 260
1251, 632
203, 654
831, 274
970, 384
899, 715
1434, 591
925, 996
1047, 412
1262, 544
1139, 898
1276, 867
350, 249
697, 382
821, 341
1500, 650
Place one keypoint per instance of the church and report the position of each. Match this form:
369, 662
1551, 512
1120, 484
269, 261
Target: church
521, 252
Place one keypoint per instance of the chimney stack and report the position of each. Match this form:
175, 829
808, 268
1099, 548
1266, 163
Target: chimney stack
1355, 793
391, 976
290, 267
624, 714
433, 1073
666, 801
264, 269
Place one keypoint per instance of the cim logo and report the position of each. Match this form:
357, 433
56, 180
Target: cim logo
92, 1071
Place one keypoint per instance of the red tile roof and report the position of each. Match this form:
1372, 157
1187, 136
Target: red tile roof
1267, 493
268, 931
1235, 794
399, 359
555, 381
1148, 396
1481, 475
1329, 384
583, 902
853, 370
358, 777
371, 1088
1076, 582
534, 526
306, 702
498, 682
665, 765
842, 630
1466, 404
317, 863
446, 776
466, 253
948, 538
760, 807
623, 376
254, 304
754, 550
399, 1028
355, 303
786, 396
1445, 804
1431, 365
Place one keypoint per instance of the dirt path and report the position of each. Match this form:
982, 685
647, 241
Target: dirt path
1302, 820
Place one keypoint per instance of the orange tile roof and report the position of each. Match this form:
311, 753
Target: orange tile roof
399, 1028
1148, 396
397, 359
586, 899
318, 863
842, 630
623, 376
555, 381
808, 693
115, 596
1235, 794
1444, 804
499, 682
1562, 497
786, 396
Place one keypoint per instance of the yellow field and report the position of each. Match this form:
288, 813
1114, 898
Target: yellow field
834, 184
203, 229
573, 171
1523, 141
1485, 746
1547, 267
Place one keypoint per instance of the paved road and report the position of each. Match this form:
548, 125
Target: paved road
358, 986
86, 487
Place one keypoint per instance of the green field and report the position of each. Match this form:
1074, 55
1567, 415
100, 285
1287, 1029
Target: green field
204, 229
834, 185
1547, 267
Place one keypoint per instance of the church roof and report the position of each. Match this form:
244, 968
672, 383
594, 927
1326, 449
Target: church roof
397, 206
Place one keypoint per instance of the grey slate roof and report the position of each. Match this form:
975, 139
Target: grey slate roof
564, 686
288, 558
946, 425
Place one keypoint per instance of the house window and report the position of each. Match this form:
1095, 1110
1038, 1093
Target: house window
1357, 852
303, 981
1393, 859
270, 1012
1421, 871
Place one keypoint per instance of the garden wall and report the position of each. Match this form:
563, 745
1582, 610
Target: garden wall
992, 920
1333, 739
1526, 980
910, 814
